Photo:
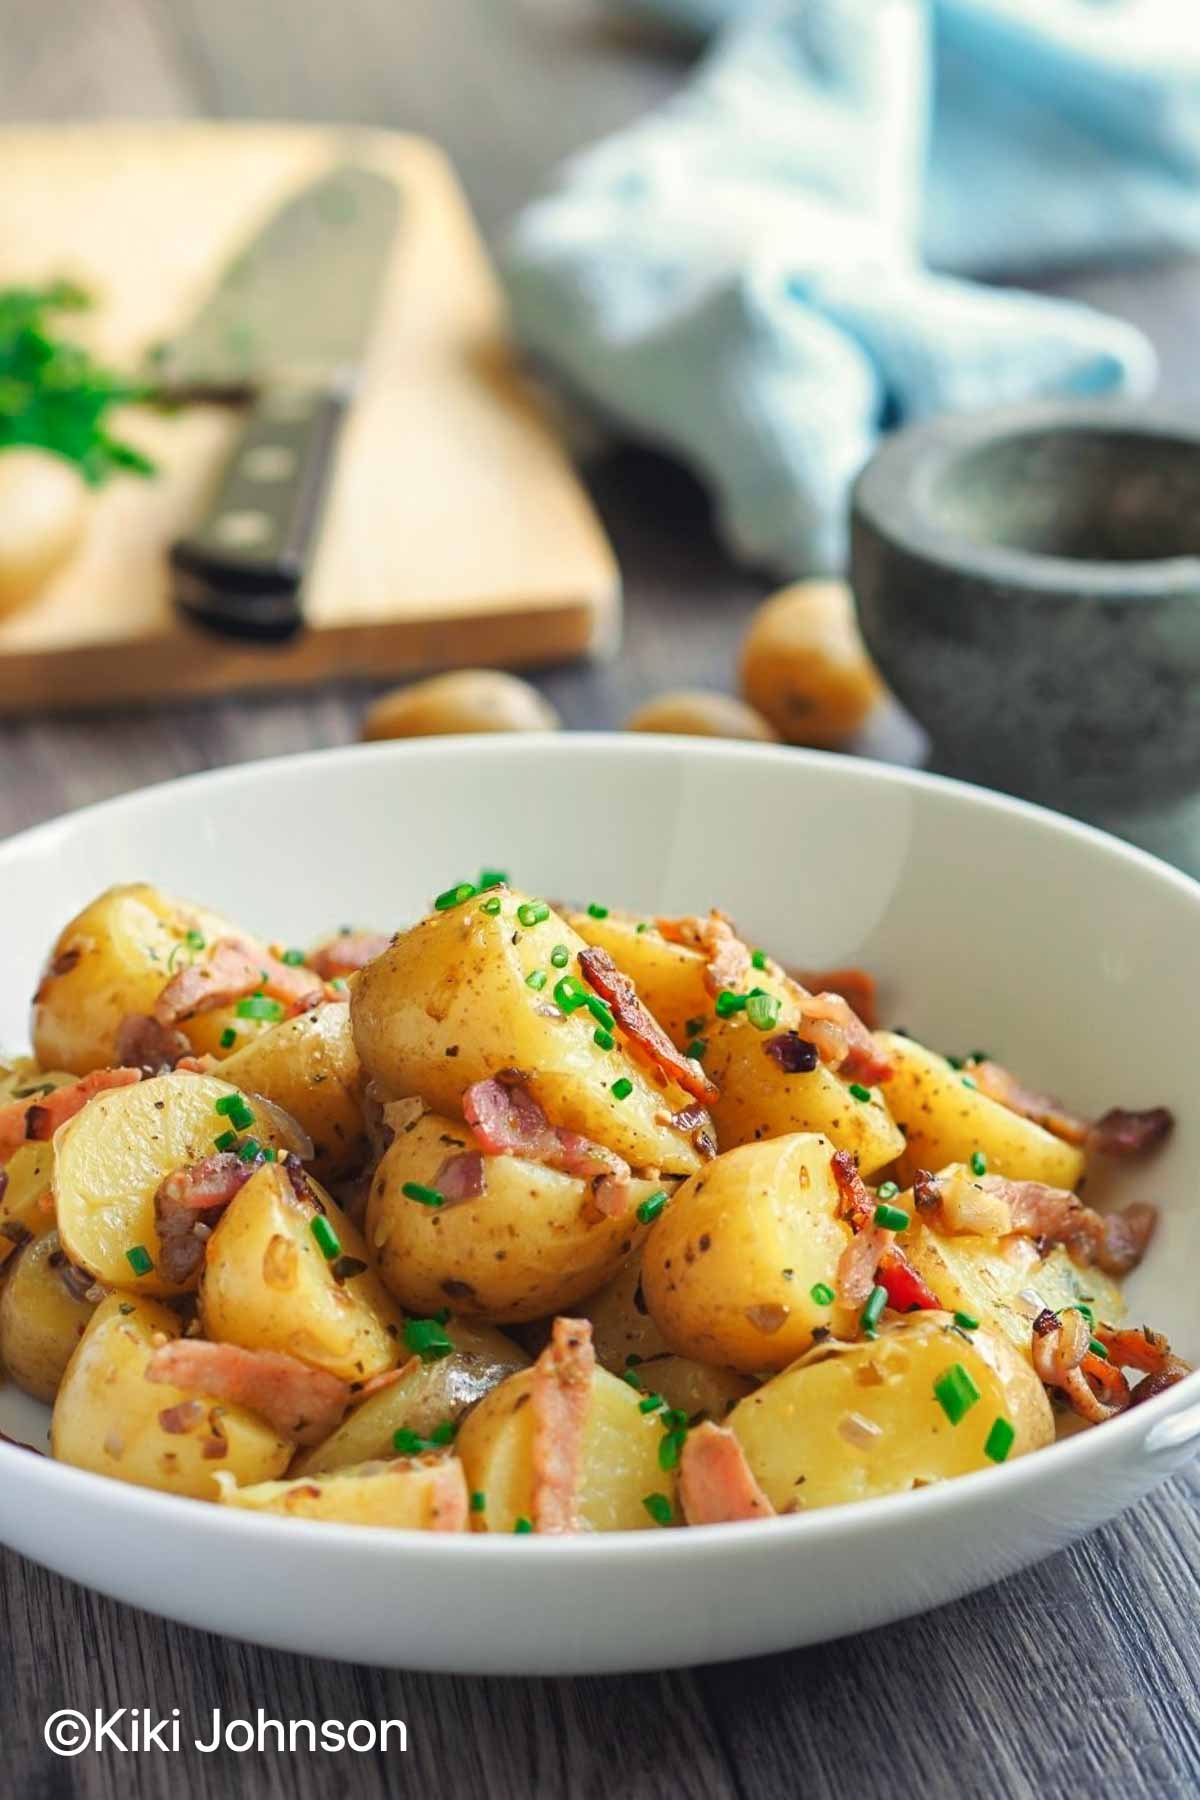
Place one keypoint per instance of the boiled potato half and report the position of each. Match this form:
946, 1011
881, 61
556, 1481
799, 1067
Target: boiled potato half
669, 977
620, 1464
424, 1494
109, 1418
42, 1318
449, 1003
532, 1243
110, 1159
922, 1402
270, 1284
946, 1120
736, 1268
309, 1066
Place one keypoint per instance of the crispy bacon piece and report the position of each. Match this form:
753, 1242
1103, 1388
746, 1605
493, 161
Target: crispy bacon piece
1062, 1358
602, 973
561, 1397
872, 1255
716, 1485
1147, 1351
461, 1176
1118, 1132
856, 987
36, 1121
228, 970
508, 1121
448, 1500
347, 953
729, 959
298, 1402
841, 1038
194, 1196
142, 1043
1115, 1242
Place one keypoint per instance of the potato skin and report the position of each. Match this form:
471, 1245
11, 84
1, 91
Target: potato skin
620, 1457
309, 1066
532, 1243
622, 1326
730, 1265
702, 712
112, 959
804, 665
945, 1121
447, 1005
424, 1397
401, 1494
41, 1320
267, 1285
106, 1416
468, 700
799, 1431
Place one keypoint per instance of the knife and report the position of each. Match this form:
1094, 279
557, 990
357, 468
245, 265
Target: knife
284, 328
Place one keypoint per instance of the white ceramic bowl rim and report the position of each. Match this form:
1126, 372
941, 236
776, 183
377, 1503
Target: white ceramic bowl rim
1071, 1457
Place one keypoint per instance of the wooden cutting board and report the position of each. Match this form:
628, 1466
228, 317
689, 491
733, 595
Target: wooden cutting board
456, 531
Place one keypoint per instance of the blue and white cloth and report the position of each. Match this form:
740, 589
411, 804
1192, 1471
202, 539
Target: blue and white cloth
772, 269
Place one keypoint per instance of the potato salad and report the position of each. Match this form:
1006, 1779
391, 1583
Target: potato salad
532, 1218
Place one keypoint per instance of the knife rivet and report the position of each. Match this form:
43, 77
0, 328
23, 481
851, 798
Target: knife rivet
238, 530
269, 462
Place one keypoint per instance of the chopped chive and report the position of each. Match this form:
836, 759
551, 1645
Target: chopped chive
978, 1163
235, 1109
596, 911
659, 1508
892, 1218
455, 896
968, 1083
408, 1443
442, 1316
569, 994
887, 1190
425, 1196
696, 1049
293, 958
249, 1149
491, 906
956, 1062
478, 1501
1081, 1306
1000, 1440
341, 985
228, 1038
821, 1294
533, 912
859, 1091
671, 1448
875, 1305
195, 939
651, 1206
259, 1006
729, 1003
226, 1141
560, 956
674, 1419
1097, 1349
270, 1155
605, 1039
695, 1026
956, 1393
522, 1525
759, 959
642, 925
227, 1103
327, 1238
427, 1339
536, 979
492, 878
966, 1321
978, 1056
599, 1011
444, 1433
622, 1089
651, 1403
139, 1259
762, 1010
632, 1378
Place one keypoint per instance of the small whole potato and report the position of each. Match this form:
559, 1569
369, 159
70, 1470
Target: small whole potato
466, 700
697, 712
43, 509
804, 665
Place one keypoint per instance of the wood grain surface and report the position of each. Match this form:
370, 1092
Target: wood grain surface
1077, 1677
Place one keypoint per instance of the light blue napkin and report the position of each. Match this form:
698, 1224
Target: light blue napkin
745, 278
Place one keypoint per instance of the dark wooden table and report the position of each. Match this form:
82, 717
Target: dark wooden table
1079, 1676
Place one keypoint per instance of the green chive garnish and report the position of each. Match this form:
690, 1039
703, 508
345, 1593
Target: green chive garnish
195, 939
605, 1039
892, 1218
821, 1294
978, 1163
632, 1378
651, 1206
659, 1508
651, 1403
859, 1091
492, 878
875, 1305
523, 1525
560, 956
569, 993
968, 1083
455, 896
327, 1238
478, 1501
956, 1393
249, 1149
445, 1433
139, 1259
491, 906
729, 1003
671, 1448
887, 1190
259, 1006
536, 979
226, 1141
1097, 1349
1000, 1440
696, 1049
427, 1339
532, 912
622, 1089
762, 1010
228, 1038
425, 1196
293, 958
695, 1026
599, 1011
234, 1108
759, 959
966, 1321
408, 1443
596, 911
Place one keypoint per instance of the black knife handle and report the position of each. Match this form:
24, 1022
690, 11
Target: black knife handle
241, 571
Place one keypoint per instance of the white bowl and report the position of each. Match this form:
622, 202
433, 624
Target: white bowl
1071, 956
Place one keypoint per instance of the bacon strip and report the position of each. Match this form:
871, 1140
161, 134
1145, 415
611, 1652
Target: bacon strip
347, 953
1114, 1242
194, 1196
602, 973
872, 1254
1062, 1359
508, 1121
716, 1485
142, 1043
842, 1039
856, 987
1118, 1132
561, 1398
449, 1507
298, 1402
228, 970
36, 1121
462, 1176
714, 936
